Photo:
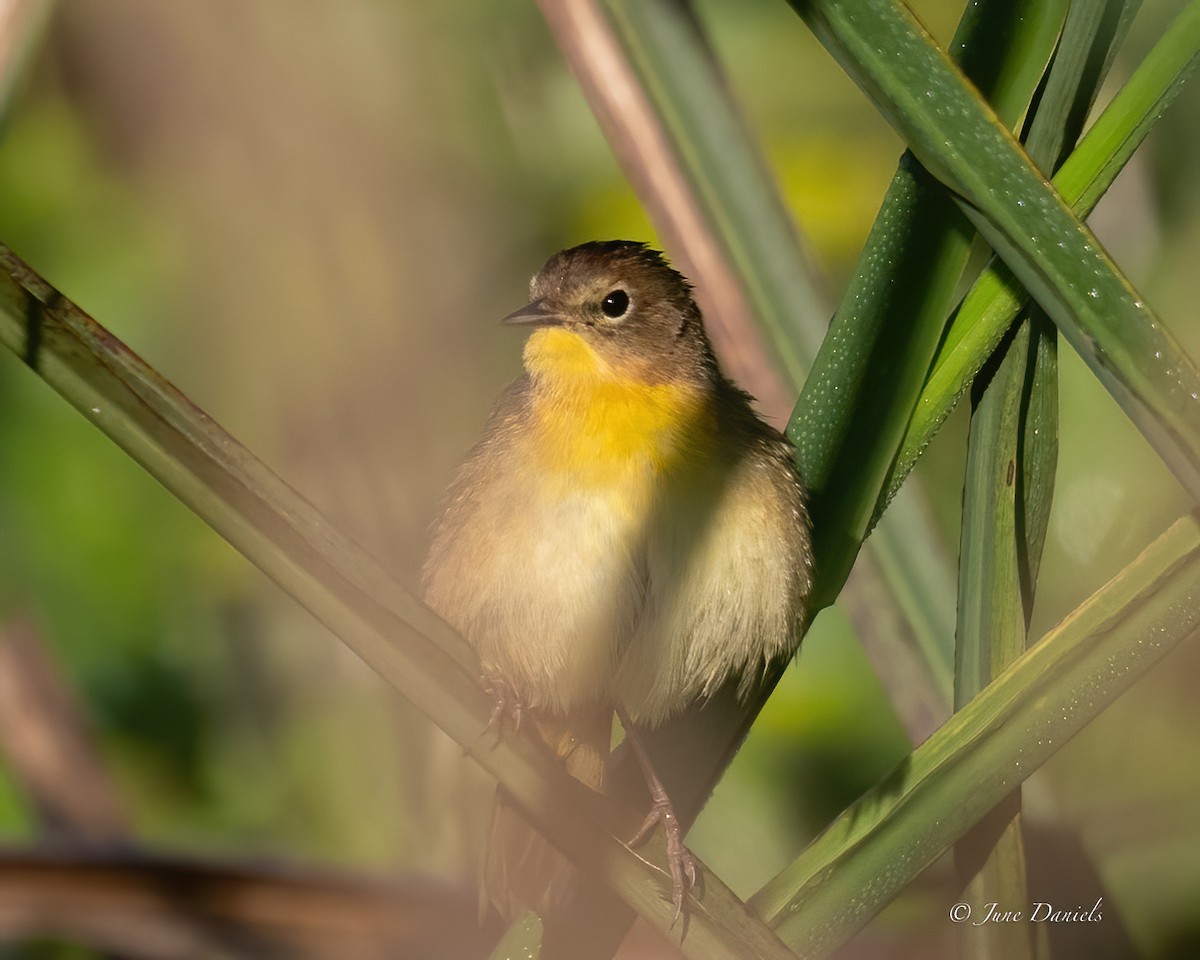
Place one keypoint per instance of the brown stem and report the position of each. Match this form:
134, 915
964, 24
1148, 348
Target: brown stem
140, 905
48, 743
650, 161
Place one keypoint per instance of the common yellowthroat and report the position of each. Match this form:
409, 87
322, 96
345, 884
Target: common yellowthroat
626, 536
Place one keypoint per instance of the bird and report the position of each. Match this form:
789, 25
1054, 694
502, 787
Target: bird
626, 536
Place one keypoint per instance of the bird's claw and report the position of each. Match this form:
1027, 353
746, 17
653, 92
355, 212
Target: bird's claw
506, 706
683, 866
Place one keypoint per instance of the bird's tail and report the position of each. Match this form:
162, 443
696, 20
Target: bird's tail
521, 871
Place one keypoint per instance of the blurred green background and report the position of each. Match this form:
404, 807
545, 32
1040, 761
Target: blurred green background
310, 218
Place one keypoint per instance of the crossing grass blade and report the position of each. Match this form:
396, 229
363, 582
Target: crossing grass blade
883, 840
991, 612
957, 137
995, 299
856, 403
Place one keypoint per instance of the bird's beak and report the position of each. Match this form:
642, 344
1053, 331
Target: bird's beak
535, 314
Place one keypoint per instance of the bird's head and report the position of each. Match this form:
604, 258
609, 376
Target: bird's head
615, 310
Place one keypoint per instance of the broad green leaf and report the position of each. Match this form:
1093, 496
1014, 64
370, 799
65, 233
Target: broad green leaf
851, 414
995, 299
882, 841
858, 398
956, 136
1039, 451
344, 588
991, 614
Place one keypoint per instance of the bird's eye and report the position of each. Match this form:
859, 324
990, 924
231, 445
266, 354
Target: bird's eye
615, 304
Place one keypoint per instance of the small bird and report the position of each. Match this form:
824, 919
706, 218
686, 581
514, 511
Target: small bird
626, 537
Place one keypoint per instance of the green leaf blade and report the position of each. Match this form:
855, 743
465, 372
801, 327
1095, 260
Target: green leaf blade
996, 297
855, 405
991, 617
879, 844
958, 138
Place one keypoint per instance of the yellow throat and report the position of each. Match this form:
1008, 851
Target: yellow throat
597, 423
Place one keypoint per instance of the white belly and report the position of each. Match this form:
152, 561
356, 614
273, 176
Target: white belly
547, 590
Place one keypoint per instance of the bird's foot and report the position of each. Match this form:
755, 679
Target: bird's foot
507, 709
683, 866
